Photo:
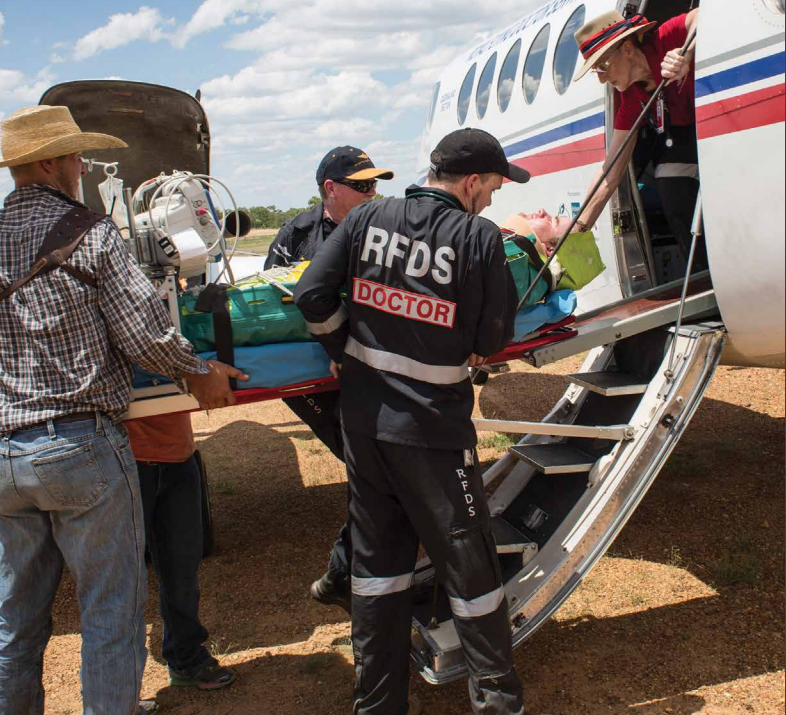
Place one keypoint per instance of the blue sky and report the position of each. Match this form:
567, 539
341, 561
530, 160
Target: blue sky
282, 82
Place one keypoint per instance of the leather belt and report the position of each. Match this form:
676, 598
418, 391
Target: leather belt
75, 417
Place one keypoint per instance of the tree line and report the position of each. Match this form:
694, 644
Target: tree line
274, 217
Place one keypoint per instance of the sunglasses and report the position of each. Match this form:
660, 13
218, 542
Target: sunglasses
362, 187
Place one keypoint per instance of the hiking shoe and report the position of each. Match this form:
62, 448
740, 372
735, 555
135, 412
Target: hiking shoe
148, 707
332, 593
211, 676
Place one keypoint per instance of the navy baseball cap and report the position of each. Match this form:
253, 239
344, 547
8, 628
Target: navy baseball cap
473, 151
349, 162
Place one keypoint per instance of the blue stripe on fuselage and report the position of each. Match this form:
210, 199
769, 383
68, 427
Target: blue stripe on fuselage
763, 68
566, 131
738, 76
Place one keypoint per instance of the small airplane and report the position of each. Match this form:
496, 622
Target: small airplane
653, 337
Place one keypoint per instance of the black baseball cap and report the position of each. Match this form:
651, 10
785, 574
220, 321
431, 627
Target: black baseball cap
473, 151
349, 162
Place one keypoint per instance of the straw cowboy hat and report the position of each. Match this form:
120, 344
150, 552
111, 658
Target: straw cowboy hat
43, 132
602, 35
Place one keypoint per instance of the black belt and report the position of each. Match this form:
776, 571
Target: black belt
75, 417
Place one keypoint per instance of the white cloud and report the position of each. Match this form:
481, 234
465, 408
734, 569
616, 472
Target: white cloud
324, 74
212, 14
2, 26
145, 24
16, 88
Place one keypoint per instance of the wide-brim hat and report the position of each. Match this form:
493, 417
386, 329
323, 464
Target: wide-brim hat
44, 132
603, 34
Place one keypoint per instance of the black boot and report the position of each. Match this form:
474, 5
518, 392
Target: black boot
332, 592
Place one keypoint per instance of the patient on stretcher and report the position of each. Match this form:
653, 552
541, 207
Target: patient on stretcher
546, 229
577, 262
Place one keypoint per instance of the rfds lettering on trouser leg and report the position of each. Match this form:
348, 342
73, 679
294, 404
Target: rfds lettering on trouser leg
469, 498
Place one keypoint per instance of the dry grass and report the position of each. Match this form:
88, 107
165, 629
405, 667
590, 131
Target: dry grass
656, 629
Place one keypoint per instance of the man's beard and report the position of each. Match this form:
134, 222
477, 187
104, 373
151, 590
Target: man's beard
67, 184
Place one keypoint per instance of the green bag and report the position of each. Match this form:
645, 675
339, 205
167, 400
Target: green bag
581, 261
260, 314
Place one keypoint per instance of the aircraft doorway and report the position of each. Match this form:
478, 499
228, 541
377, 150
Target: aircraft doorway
648, 252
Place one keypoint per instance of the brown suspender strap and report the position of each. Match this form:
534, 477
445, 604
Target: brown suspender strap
58, 246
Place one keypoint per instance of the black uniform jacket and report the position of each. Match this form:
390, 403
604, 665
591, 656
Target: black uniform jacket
300, 238
427, 285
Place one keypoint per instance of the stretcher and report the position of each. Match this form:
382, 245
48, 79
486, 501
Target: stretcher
560, 334
301, 368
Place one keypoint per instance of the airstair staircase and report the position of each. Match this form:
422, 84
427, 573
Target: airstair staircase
566, 489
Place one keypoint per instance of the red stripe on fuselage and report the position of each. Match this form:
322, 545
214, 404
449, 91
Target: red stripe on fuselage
746, 111
568, 156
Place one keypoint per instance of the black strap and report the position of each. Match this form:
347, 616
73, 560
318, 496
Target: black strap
213, 299
58, 246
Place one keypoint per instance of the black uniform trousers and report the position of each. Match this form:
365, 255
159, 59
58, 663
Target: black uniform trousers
400, 495
322, 414
678, 190
172, 502
678, 195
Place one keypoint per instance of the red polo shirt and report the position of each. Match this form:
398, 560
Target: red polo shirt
164, 438
680, 96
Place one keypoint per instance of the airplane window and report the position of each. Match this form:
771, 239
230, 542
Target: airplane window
484, 86
464, 95
533, 66
507, 75
567, 51
432, 106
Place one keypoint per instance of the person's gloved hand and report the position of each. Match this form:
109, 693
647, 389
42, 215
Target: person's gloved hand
212, 390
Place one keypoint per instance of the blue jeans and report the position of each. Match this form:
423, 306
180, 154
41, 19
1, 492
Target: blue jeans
172, 498
69, 494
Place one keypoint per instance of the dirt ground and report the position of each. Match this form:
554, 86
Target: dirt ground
684, 616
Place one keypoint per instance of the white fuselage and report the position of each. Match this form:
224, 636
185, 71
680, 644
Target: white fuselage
558, 130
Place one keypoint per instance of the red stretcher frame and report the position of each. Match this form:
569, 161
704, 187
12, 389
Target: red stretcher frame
546, 335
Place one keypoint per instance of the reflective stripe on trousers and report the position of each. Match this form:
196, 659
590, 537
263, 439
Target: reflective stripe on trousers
477, 607
677, 170
400, 365
381, 585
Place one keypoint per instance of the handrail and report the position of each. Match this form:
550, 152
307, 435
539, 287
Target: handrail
697, 228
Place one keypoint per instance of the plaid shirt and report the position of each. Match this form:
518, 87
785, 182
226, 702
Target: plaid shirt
67, 347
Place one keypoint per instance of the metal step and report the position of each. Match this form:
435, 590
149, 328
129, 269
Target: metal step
609, 384
554, 458
510, 540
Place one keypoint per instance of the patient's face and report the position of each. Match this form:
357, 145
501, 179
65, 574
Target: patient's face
549, 229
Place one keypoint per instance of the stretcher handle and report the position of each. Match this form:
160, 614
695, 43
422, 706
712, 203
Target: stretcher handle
631, 136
